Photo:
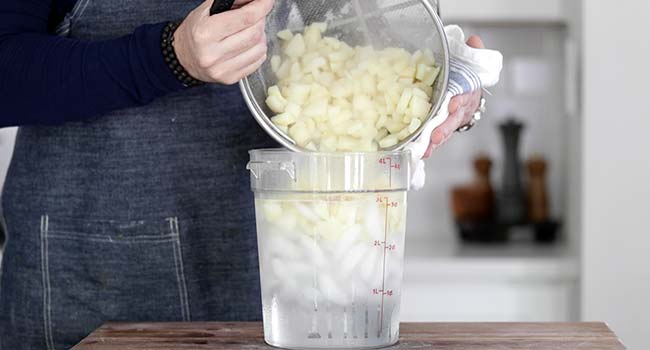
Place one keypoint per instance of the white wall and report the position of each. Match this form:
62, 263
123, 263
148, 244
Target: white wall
532, 88
616, 168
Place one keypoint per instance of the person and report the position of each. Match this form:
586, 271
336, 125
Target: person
127, 198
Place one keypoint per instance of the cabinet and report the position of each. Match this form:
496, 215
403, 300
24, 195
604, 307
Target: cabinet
444, 282
554, 11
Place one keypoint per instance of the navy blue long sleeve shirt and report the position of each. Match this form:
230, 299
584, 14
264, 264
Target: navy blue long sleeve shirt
45, 79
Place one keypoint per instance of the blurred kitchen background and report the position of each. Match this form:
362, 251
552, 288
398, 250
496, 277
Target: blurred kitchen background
575, 77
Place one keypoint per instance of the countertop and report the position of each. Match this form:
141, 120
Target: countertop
439, 336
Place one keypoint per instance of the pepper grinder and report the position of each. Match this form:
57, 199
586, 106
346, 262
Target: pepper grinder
512, 199
475, 201
538, 208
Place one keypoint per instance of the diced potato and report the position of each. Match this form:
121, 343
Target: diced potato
431, 77
332, 42
329, 144
362, 102
414, 126
276, 61
341, 89
295, 47
356, 129
300, 133
285, 35
381, 122
408, 72
382, 133
284, 128
274, 91
318, 92
347, 143
337, 56
403, 134
284, 119
295, 73
417, 56
368, 85
418, 93
317, 109
298, 93
334, 97
312, 36
276, 103
394, 126
388, 141
293, 109
337, 67
318, 63
428, 58
426, 88
419, 108
283, 70
404, 101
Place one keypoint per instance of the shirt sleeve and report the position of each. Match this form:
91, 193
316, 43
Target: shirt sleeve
45, 79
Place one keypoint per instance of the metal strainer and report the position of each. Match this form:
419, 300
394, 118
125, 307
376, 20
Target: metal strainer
408, 24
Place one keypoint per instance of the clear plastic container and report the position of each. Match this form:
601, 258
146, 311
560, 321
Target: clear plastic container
330, 233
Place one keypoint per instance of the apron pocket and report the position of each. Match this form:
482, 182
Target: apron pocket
99, 271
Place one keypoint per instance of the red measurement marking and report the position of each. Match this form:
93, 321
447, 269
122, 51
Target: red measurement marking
386, 246
386, 202
382, 292
383, 272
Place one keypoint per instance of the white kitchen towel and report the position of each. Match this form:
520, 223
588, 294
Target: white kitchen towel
470, 69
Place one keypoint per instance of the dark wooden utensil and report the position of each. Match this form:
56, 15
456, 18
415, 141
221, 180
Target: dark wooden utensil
219, 6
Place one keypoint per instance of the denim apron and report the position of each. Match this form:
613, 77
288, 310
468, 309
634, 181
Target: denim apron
144, 214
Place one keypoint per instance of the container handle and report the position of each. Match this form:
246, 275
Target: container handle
257, 167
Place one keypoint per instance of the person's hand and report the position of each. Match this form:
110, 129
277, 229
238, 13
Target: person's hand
461, 111
226, 47
239, 3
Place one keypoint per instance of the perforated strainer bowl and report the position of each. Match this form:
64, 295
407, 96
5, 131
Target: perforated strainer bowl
408, 24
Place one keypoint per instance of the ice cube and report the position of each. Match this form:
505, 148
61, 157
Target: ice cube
281, 246
332, 292
353, 258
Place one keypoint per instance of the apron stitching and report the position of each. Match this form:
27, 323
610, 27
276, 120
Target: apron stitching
47, 310
180, 257
179, 280
167, 240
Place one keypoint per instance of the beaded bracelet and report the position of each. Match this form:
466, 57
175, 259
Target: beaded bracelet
169, 54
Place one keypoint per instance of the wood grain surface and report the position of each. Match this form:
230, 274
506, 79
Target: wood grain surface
439, 336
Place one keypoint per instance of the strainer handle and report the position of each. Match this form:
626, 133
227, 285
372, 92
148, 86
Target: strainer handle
219, 6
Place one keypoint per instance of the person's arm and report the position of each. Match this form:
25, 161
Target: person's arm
461, 108
50, 80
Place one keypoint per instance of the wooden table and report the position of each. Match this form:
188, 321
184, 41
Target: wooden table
439, 336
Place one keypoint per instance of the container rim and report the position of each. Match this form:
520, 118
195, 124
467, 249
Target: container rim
271, 151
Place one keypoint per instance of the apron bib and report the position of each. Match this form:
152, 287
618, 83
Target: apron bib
144, 214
